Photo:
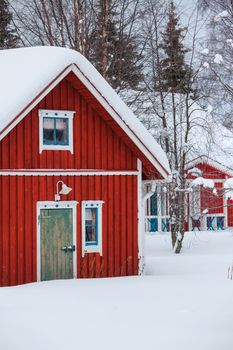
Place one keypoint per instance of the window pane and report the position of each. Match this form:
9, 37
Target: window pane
61, 131
91, 225
153, 204
48, 130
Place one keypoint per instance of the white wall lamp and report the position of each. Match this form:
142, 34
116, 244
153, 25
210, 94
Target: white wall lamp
64, 190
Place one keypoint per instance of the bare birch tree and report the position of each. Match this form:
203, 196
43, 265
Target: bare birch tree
102, 30
173, 110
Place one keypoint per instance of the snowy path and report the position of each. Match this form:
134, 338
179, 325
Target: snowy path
184, 302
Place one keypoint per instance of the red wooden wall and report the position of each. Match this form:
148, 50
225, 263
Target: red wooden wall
18, 224
211, 201
96, 145
208, 199
209, 172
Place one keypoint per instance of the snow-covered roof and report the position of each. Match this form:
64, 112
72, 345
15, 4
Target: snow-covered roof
214, 163
26, 72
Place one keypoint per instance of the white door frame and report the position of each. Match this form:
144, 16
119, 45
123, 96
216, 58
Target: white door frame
56, 205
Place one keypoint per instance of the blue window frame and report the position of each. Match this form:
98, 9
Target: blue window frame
55, 131
91, 226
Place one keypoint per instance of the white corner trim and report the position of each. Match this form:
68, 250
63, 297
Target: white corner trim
44, 113
141, 236
56, 205
92, 248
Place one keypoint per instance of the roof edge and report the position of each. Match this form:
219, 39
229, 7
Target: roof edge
205, 159
80, 75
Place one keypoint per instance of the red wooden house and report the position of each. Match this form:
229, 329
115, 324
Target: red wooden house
73, 159
219, 213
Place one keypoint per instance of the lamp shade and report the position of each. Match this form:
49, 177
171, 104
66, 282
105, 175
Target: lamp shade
65, 189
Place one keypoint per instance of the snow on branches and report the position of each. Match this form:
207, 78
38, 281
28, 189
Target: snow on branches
220, 16
201, 181
228, 186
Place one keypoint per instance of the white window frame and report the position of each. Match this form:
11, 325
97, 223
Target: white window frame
48, 113
98, 247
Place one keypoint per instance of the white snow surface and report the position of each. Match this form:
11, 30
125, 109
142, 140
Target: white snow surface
201, 181
183, 302
228, 186
218, 58
25, 72
195, 171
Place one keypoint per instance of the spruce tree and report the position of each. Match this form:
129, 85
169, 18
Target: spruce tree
113, 52
8, 38
175, 74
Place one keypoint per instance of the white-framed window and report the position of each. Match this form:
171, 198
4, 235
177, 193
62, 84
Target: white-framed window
92, 227
56, 130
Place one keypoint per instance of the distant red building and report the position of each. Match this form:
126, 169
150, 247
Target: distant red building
206, 209
72, 161
220, 209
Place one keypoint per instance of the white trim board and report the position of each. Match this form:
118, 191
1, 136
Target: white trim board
119, 121
141, 236
56, 205
58, 172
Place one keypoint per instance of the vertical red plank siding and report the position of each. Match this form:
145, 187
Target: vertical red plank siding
129, 227
209, 200
18, 225
5, 219
13, 230
96, 146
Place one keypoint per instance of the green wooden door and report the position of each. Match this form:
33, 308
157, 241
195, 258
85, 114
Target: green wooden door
56, 244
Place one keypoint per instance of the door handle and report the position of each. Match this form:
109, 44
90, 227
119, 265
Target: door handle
71, 248
64, 249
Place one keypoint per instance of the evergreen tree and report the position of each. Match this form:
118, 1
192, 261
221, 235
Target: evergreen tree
8, 38
113, 51
175, 74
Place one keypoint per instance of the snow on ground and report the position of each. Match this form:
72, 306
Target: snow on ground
184, 302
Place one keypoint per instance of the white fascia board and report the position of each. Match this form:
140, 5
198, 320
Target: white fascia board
80, 75
50, 87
